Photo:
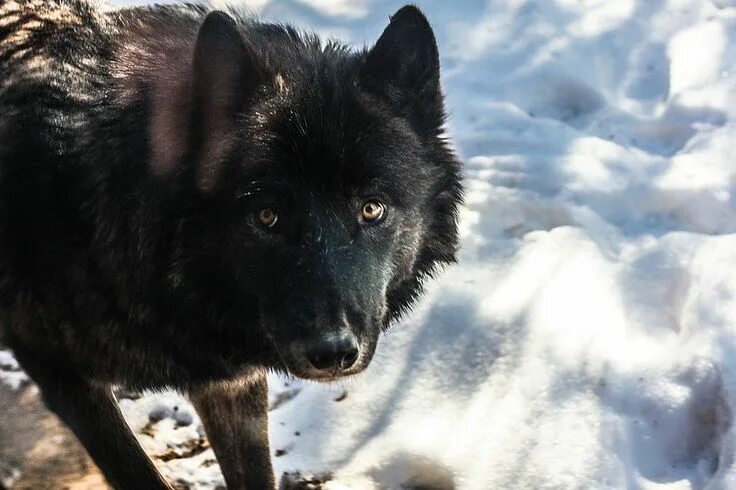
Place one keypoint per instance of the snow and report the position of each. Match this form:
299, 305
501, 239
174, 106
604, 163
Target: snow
586, 338
10, 372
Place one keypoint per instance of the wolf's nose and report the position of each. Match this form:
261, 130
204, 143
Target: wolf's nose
338, 353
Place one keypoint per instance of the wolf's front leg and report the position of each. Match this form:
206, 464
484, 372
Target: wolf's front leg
92, 413
235, 418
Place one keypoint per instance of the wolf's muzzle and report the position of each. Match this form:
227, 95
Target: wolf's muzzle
333, 354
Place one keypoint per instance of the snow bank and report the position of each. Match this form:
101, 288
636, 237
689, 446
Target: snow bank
586, 338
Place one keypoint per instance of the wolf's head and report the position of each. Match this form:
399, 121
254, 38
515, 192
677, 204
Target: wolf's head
323, 191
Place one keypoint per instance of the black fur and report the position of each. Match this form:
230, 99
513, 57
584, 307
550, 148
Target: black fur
136, 150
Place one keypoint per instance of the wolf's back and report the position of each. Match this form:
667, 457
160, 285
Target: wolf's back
51, 75
51, 66
42, 37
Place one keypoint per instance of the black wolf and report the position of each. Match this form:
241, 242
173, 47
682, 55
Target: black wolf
189, 199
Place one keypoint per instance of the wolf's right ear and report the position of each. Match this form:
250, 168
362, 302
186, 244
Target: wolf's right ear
225, 72
403, 68
405, 56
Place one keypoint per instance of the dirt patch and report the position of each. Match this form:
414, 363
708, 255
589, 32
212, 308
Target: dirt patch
36, 451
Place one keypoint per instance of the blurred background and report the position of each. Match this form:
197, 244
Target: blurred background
587, 337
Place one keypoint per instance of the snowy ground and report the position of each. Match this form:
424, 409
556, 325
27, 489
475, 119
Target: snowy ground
587, 338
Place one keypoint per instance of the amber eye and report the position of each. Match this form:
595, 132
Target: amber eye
268, 217
373, 212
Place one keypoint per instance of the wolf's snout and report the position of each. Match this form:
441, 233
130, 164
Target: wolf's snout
333, 354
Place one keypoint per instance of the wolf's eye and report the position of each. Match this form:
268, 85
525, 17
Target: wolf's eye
268, 217
373, 212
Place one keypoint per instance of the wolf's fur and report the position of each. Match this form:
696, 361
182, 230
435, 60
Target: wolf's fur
137, 145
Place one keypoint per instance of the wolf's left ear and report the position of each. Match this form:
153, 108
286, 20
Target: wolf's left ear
225, 74
404, 65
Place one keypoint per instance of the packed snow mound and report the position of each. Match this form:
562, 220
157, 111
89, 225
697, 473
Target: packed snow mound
587, 336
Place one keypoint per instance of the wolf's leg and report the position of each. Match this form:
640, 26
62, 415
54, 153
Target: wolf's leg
92, 413
235, 418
